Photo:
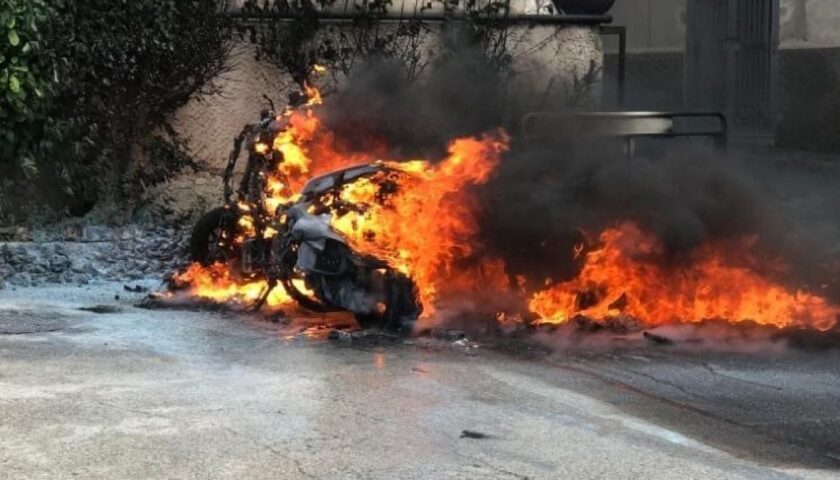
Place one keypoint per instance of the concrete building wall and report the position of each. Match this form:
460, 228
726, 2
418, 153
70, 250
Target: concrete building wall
809, 65
810, 23
657, 26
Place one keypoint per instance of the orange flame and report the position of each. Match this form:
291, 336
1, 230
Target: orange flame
429, 224
619, 278
216, 283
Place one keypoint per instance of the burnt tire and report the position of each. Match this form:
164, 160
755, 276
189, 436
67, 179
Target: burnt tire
205, 233
402, 306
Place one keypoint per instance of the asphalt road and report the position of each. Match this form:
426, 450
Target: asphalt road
136, 393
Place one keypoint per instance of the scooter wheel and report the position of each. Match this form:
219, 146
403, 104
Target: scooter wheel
205, 234
403, 305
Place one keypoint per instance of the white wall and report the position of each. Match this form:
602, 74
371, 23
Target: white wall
810, 23
659, 25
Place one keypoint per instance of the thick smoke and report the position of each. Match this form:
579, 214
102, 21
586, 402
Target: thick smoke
459, 94
543, 201
553, 198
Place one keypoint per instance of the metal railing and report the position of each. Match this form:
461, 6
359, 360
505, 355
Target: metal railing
510, 19
548, 127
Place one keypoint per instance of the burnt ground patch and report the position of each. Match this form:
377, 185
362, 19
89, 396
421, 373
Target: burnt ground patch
18, 322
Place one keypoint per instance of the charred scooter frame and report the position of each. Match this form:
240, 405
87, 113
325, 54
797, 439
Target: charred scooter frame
311, 261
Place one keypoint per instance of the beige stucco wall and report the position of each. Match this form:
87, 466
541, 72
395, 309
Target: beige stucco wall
547, 62
210, 123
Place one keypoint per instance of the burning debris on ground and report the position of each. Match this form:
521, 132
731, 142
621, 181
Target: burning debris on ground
135, 289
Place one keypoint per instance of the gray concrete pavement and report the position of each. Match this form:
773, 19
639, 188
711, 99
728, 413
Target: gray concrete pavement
177, 394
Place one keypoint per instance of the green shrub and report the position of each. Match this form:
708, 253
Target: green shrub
28, 80
290, 34
103, 77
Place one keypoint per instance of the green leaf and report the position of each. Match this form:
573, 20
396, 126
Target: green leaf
14, 40
30, 168
14, 84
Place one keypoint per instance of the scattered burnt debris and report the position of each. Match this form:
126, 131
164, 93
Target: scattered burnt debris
449, 334
158, 301
135, 289
475, 435
101, 309
365, 338
657, 339
340, 336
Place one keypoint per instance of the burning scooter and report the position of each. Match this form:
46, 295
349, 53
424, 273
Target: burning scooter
293, 245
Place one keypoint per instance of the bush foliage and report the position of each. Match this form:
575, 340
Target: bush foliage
28, 81
289, 34
84, 85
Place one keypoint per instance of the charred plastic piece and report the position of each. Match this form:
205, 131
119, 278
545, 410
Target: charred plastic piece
657, 339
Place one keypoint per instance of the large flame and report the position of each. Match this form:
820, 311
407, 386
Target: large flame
427, 227
624, 275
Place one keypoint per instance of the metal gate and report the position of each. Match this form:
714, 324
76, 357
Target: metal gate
731, 61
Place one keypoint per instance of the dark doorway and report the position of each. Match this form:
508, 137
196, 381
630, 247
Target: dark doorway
731, 62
